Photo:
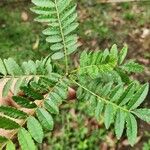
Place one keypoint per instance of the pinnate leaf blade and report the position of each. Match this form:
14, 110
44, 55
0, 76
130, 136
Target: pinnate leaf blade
45, 119
119, 123
138, 97
10, 146
143, 114
35, 129
25, 140
131, 129
8, 124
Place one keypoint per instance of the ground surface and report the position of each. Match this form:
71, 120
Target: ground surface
101, 25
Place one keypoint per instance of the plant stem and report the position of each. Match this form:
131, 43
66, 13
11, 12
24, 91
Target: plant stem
63, 38
100, 98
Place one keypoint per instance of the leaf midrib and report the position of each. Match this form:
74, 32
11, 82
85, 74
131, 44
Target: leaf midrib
104, 100
62, 35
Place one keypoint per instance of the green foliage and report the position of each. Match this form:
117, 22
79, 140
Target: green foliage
132, 67
25, 140
24, 102
142, 114
108, 65
146, 145
131, 128
13, 112
119, 123
95, 63
35, 129
14, 75
119, 105
102, 79
36, 126
10, 146
7, 123
30, 93
60, 16
45, 118
51, 107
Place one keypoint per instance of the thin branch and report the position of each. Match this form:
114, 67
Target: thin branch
101, 98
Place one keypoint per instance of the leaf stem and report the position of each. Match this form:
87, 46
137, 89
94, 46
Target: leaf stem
100, 98
62, 35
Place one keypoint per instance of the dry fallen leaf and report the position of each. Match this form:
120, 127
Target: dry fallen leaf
24, 16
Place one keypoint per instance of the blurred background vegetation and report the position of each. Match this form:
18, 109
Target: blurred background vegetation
101, 25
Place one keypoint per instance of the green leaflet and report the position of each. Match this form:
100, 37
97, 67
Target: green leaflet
50, 31
99, 109
116, 92
63, 92
56, 98
71, 28
12, 67
13, 112
138, 97
131, 128
10, 146
63, 4
57, 55
123, 54
46, 82
31, 93
126, 96
119, 123
35, 129
51, 106
45, 19
114, 51
42, 11
80, 94
108, 115
54, 39
8, 124
44, 3
18, 85
24, 102
105, 55
56, 47
106, 89
7, 87
124, 77
45, 119
132, 67
2, 68
68, 12
25, 140
143, 114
